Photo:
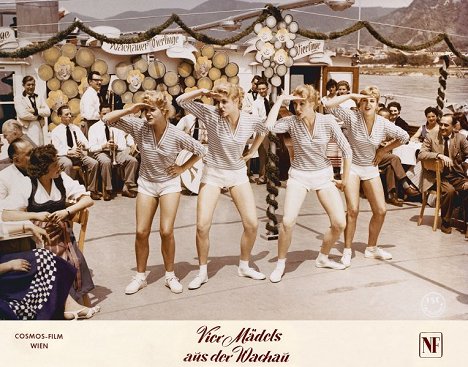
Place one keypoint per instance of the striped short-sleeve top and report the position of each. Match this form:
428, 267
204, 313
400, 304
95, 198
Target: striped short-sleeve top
310, 149
157, 157
225, 147
363, 144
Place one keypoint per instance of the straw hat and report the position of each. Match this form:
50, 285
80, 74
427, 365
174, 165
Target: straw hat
100, 66
79, 73
84, 57
122, 69
74, 105
148, 83
70, 88
53, 84
51, 55
127, 97
69, 50
45, 72
184, 69
156, 69
119, 86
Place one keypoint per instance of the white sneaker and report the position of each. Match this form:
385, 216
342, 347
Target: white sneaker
377, 253
327, 263
250, 273
135, 285
346, 259
276, 275
197, 282
174, 285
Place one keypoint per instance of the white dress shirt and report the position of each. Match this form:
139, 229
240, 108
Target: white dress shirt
97, 137
32, 124
11, 178
187, 124
258, 107
89, 105
59, 138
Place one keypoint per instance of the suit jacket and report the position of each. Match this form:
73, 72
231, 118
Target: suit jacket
23, 106
402, 123
433, 145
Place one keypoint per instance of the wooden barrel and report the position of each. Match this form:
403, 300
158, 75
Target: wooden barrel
45, 72
100, 66
84, 57
122, 69
214, 74
148, 83
205, 82
70, 88
53, 84
184, 69
161, 87
220, 59
141, 64
231, 69
51, 55
174, 90
119, 86
268, 72
127, 97
74, 105
52, 126
79, 73
233, 79
55, 118
138, 97
156, 69
190, 81
171, 78
105, 79
276, 81
69, 50
208, 51
77, 119
189, 89
281, 70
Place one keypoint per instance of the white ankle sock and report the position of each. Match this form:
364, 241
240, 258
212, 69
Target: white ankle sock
281, 263
347, 251
141, 275
243, 264
203, 270
170, 274
322, 257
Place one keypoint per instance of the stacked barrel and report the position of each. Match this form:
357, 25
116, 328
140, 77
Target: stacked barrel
65, 70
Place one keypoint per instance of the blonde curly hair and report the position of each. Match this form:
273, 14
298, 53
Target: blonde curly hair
308, 92
162, 100
229, 90
372, 91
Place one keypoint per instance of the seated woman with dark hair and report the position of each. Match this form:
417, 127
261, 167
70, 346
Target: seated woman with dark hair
35, 285
45, 201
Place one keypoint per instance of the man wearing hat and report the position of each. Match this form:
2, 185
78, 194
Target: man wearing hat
89, 104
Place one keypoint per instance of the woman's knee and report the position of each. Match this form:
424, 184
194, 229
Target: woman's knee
352, 213
142, 233
166, 232
288, 224
338, 225
203, 228
251, 226
380, 211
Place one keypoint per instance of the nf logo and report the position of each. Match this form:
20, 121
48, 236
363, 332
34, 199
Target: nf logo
430, 345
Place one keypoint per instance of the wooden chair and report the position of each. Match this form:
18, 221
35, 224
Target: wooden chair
81, 218
436, 166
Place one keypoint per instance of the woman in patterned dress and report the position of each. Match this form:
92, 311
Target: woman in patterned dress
366, 130
229, 129
310, 170
159, 183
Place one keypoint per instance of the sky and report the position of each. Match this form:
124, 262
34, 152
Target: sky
107, 8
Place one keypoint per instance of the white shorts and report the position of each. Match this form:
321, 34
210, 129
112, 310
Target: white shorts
224, 177
364, 172
312, 180
157, 189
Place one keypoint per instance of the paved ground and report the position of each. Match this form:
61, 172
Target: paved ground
427, 278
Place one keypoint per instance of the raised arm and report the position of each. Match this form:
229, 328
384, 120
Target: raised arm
190, 96
335, 101
114, 116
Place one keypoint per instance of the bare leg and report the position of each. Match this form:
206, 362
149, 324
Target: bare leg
145, 209
376, 197
352, 208
169, 204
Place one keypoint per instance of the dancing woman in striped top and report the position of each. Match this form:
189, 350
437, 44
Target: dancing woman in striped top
159, 181
310, 170
228, 130
366, 130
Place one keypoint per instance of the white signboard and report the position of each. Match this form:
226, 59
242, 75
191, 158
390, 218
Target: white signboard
7, 35
157, 43
308, 48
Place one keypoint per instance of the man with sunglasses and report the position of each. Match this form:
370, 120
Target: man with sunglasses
89, 103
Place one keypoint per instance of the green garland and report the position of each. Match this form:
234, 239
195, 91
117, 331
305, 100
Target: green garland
269, 10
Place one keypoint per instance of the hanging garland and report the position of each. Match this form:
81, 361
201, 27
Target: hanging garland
269, 10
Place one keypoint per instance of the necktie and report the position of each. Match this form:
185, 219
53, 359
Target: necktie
267, 105
32, 99
254, 95
196, 129
107, 133
69, 137
446, 147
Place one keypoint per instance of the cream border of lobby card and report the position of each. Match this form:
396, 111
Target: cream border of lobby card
166, 343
